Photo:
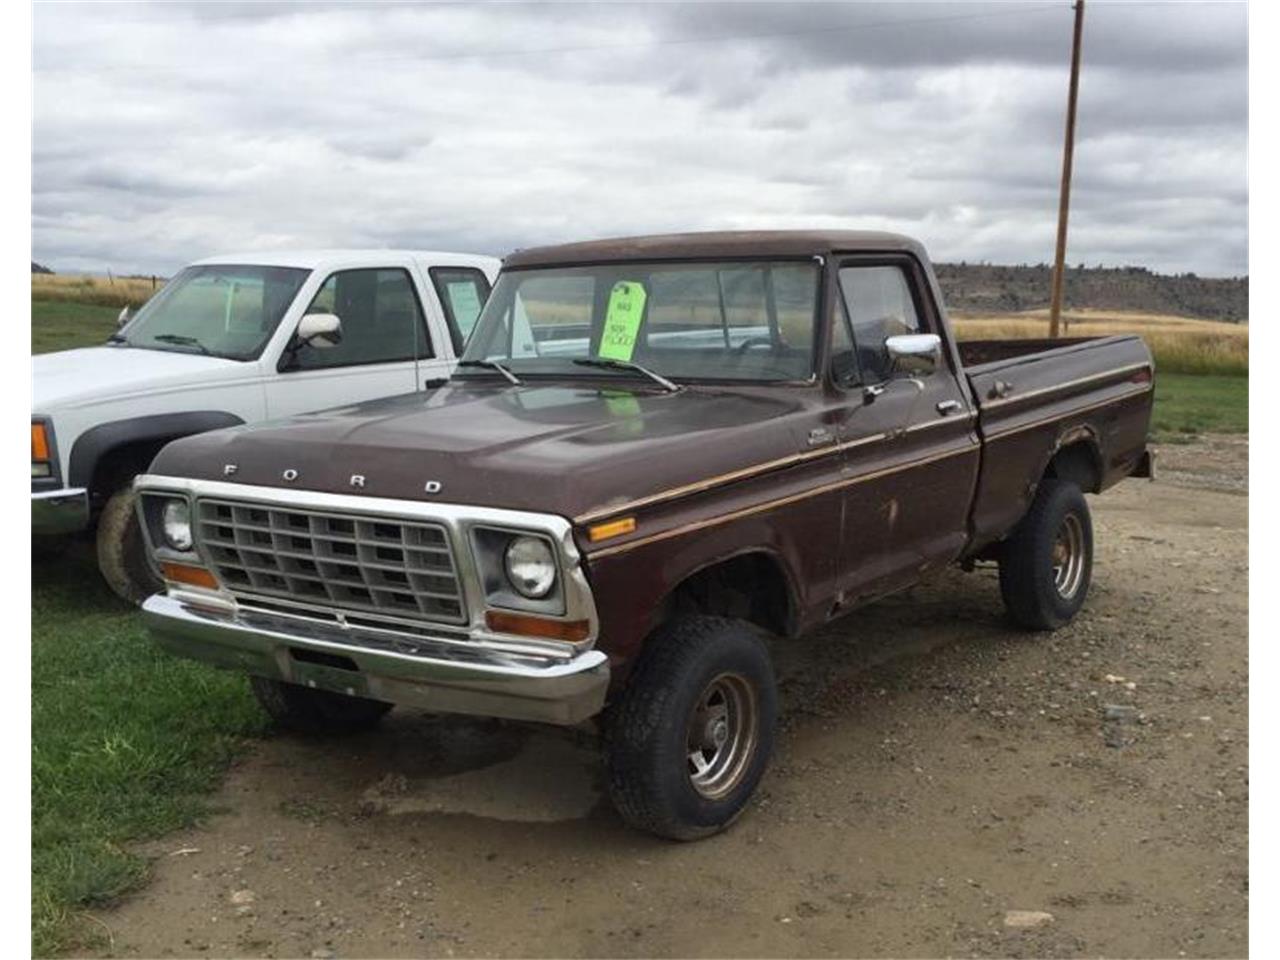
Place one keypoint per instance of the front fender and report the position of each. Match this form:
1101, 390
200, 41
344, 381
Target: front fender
92, 445
632, 587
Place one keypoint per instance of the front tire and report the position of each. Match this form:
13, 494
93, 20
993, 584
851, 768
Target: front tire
122, 550
693, 731
316, 712
1046, 566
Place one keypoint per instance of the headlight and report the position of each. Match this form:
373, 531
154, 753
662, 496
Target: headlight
175, 523
530, 566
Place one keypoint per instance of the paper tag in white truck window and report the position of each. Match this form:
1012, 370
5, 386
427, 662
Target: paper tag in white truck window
464, 299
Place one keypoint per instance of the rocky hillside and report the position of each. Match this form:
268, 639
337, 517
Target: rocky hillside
993, 289
38, 268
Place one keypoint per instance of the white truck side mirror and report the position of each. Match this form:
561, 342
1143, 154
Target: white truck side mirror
122, 317
914, 353
322, 330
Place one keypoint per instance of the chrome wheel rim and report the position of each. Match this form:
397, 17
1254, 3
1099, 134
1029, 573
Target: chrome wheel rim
720, 739
1068, 557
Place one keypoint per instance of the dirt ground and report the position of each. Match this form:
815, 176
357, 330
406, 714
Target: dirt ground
935, 771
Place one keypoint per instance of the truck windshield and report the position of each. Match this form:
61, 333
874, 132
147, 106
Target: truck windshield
223, 310
724, 320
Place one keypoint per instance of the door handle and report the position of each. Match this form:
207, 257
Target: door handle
948, 407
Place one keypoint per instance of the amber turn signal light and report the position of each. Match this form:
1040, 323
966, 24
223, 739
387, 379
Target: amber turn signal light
525, 625
185, 573
614, 528
39, 442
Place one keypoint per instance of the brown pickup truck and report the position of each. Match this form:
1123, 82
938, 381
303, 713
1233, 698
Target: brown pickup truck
657, 456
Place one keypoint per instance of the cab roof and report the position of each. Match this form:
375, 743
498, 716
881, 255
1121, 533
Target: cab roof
333, 259
724, 244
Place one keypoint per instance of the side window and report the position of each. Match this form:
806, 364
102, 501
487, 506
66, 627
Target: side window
879, 305
462, 292
381, 320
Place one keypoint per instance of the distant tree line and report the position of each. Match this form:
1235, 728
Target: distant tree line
985, 287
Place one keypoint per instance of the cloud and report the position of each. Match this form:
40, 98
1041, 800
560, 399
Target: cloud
167, 132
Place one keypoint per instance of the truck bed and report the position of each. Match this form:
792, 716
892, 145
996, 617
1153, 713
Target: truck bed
980, 353
1036, 397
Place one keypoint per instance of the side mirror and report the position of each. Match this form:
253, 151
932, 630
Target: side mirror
914, 353
322, 330
123, 317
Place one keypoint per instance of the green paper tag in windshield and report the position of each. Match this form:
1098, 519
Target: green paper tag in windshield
622, 320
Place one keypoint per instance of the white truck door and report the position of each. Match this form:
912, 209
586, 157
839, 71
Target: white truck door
386, 345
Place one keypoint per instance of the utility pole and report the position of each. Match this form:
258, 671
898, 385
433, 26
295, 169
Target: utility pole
1064, 196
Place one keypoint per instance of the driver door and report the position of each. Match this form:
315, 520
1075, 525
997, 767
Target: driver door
911, 454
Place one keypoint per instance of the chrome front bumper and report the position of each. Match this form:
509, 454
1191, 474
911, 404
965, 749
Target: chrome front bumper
59, 511
442, 676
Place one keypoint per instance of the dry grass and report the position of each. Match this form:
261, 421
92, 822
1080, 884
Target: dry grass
1179, 344
101, 291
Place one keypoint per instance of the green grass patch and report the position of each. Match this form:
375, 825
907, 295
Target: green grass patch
1187, 405
126, 743
63, 324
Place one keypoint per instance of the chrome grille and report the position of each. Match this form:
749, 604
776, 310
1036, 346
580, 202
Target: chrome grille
341, 561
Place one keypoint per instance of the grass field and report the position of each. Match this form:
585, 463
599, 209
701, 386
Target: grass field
1179, 344
125, 743
62, 324
1187, 404
100, 291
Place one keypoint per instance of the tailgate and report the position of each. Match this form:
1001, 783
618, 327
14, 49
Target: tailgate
1030, 404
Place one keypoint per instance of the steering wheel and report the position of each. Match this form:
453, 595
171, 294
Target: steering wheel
750, 342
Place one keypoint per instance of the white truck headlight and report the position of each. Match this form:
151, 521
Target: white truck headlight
175, 524
530, 567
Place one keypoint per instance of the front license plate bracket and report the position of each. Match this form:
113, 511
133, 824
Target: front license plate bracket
321, 676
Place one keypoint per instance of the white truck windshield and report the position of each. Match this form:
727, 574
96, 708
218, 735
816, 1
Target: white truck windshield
221, 310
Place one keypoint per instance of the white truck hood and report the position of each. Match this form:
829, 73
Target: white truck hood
73, 378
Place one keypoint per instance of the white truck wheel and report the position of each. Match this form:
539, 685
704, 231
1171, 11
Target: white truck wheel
122, 551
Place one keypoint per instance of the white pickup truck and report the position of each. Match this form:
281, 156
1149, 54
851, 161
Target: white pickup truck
230, 340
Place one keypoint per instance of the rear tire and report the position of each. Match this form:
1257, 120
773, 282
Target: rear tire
693, 731
316, 712
122, 549
1046, 565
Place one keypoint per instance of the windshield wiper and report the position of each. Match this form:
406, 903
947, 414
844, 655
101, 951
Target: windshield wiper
492, 365
183, 341
627, 365
117, 338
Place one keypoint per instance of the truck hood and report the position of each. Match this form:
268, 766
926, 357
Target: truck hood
564, 449
73, 378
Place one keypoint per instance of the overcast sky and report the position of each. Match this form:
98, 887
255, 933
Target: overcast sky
163, 133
